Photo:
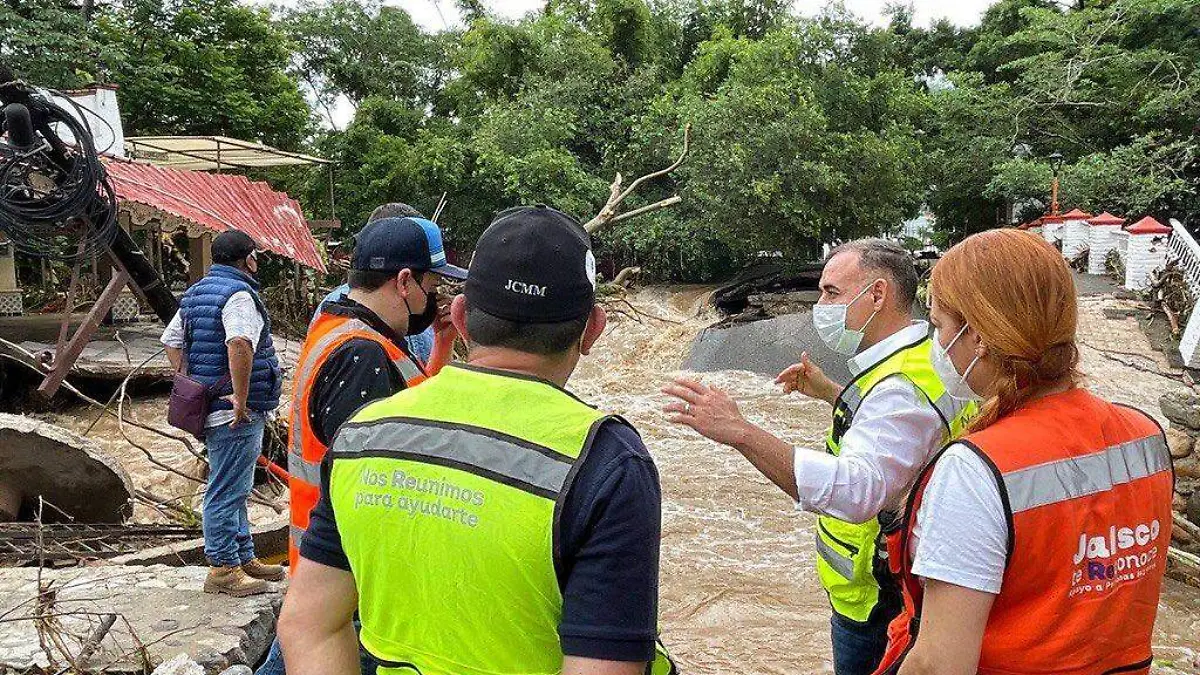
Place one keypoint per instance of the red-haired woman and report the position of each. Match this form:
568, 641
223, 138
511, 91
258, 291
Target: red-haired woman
1038, 542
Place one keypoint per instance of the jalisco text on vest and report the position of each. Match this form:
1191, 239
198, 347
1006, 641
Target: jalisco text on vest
1098, 550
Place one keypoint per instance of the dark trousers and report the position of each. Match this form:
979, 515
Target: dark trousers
859, 647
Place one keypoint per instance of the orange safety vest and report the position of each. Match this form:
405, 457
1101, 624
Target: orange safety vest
1086, 486
305, 450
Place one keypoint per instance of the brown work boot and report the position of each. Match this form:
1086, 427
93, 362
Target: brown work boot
260, 570
233, 581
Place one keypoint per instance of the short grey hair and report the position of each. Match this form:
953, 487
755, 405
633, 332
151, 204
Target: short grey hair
890, 258
393, 210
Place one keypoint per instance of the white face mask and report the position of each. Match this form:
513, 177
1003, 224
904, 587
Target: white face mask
830, 322
956, 385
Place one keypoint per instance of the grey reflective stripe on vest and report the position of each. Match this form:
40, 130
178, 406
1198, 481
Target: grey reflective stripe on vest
948, 408
840, 563
297, 535
302, 469
408, 369
496, 458
310, 472
853, 398
305, 373
1074, 477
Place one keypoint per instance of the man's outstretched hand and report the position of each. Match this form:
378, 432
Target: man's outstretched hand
808, 379
714, 415
708, 410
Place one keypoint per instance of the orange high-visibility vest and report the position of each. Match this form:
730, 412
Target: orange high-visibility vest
305, 450
1087, 488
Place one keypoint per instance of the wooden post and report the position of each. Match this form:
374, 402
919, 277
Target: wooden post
199, 257
65, 357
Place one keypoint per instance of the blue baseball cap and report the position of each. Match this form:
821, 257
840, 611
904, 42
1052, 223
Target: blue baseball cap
394, 244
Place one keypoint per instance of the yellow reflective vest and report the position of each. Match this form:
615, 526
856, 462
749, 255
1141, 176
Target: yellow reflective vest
446, 497
850, 556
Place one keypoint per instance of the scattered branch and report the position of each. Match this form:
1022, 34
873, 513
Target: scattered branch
616, 196
93, 642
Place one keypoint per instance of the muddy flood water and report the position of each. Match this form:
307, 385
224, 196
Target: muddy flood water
739, 589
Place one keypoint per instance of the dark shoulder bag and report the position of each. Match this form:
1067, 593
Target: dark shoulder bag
190, 398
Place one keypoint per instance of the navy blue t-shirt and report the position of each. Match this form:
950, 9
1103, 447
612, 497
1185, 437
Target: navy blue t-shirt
610, 527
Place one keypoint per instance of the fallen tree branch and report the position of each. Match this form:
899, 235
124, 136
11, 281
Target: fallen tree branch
1189, 563
1187, 526
94, 640
608, 214
1111, 355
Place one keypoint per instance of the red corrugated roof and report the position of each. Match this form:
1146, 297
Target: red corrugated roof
1076, 214
222, 202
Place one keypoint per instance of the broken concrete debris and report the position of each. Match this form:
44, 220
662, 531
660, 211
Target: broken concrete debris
75, 479
163, 608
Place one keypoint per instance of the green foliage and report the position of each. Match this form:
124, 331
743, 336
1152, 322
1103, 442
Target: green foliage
51, 44
805, 130
205, 67
359, 49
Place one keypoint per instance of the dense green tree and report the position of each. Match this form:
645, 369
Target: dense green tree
360, 49
52, 44
205, 67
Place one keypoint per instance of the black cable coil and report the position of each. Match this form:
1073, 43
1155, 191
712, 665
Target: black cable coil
56, 211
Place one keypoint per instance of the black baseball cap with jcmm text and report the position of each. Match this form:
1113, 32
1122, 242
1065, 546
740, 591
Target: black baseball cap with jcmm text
533, 264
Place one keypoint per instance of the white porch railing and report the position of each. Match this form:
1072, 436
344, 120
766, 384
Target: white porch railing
1183, 249
1185, 252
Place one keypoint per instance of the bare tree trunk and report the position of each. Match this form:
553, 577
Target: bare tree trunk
609, 214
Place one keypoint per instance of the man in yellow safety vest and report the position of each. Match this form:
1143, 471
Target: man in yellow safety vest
488, 521
887, 424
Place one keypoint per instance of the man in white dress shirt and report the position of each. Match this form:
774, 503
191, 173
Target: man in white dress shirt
887, 424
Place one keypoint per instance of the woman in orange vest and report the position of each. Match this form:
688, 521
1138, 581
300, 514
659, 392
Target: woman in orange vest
1038, 542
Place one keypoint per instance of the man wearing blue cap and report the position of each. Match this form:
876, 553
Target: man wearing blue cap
420, 345
355, 351
488, 521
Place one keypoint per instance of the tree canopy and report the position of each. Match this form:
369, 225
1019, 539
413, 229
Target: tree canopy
805, 130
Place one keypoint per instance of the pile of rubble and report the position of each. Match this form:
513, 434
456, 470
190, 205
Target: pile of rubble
1182, 408
84, 588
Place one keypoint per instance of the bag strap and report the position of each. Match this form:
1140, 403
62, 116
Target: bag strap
184, 367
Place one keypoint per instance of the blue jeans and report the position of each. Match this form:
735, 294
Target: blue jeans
232, 452
858, 648
273, 665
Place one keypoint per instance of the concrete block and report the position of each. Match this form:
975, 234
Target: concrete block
181, 625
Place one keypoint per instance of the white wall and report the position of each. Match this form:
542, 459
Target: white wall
109, 134
1146, 253
1075, 238
1100, 242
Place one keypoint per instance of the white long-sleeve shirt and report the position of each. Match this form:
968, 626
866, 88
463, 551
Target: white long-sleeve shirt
895, 431
241, 319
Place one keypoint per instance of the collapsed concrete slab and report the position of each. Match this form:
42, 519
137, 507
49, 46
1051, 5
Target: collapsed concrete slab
72, 474
162, 608
765, 347
270, 543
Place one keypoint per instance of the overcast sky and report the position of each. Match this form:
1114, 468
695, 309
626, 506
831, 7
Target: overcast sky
435, 15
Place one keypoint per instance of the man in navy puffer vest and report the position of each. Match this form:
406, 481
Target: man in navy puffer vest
223, 331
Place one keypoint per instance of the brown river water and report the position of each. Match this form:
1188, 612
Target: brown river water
739, 590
